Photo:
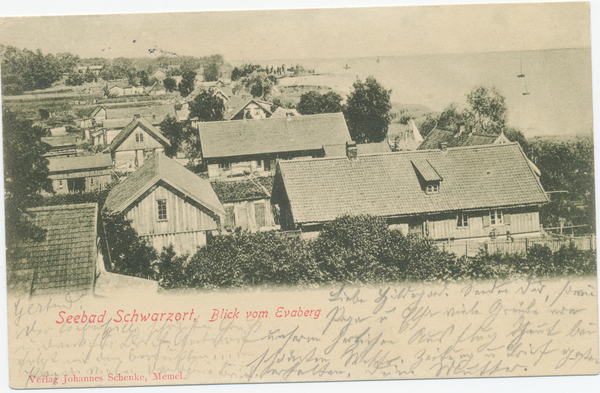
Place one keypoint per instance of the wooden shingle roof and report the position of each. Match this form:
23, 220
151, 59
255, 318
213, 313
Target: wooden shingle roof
143, 124
480, 177
160, 168
439, 136
272, 135
96, 161
66, 260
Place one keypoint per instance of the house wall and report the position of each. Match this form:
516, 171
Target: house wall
252, 215
239, 168
99, 178
254, 111
186, 224
125, 155
515, 221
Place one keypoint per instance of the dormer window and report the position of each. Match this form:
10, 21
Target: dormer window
432, 188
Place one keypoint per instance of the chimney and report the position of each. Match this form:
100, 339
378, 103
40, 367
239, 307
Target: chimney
136, 116
351, 150
444, 146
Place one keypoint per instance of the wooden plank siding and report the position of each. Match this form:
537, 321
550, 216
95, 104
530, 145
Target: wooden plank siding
186, 224
148, 143
100, 178
252, 215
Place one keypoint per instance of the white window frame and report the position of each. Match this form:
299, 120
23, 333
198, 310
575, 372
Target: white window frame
462, 220
432, 188
496, 217
162, 202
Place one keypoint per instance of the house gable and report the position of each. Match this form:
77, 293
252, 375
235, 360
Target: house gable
139, 139
126, 139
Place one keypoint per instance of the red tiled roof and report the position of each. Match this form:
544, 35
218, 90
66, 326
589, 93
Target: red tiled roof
480, 177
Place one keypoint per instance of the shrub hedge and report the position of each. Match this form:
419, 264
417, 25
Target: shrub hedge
351, 249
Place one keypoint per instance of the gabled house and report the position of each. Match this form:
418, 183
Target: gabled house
404, 136
473, 193
116, 91
239, 147
250, 108
61, 146
66, 261
168, 204
224, 93
136, 143
80, 174
460, 138
99, 114
159, 75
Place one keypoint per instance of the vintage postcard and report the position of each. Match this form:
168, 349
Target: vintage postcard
310, 195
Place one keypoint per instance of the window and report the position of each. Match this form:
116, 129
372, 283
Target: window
496, 217
139, 137
91, 181
162, 209
462, 220
60, 184
259, 163
432, 188
256, 111
226, 166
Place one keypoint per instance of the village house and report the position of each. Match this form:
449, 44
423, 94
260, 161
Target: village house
80, 174
404, 136
116, 91
168, 204
136, 143
247, 203
247, 108
460, 138
473, 193
61, 146
99, 114
95, 69
241, 147
69, 259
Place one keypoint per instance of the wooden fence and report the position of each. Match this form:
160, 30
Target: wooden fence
517, 246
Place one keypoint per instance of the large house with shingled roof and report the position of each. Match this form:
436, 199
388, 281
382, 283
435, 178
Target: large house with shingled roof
239, 147
136, 143
473, 193
168, 204
460, 138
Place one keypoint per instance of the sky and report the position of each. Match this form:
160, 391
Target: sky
309, 33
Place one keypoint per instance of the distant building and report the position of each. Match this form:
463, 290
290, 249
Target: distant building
99, 114
61, 146
404, 136
235, 148
460, 138
250, 108
136, 143
471, 193
168, 204
80, 174
116, 91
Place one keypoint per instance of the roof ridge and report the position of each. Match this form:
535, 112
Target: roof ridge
293, 118
63, 207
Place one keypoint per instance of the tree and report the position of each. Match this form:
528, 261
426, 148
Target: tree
174, 131
144, 79
487, 110
258, 84
313, 102
170, 84
127, 252
207, 107
186, 86
25, 175
74, 79
212, 68
368, 111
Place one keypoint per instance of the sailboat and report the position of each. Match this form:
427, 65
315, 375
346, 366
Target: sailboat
526, 93
521, 75
346, 67
378, 59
